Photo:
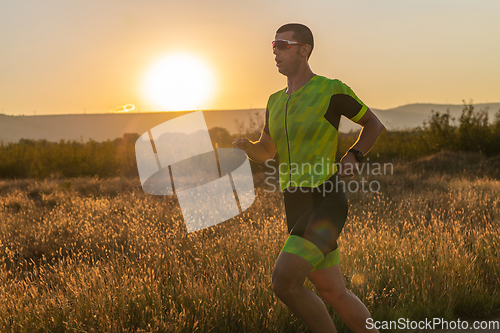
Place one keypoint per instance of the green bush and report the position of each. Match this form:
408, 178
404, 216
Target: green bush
441, 133
474, 133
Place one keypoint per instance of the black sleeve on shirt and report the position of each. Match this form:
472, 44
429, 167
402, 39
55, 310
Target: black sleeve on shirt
341, 104
266, 126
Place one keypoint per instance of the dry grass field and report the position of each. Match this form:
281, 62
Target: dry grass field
90, 255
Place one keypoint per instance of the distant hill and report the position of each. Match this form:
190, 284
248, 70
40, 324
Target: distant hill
101, 127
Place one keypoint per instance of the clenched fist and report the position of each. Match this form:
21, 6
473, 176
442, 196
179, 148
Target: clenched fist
242, 143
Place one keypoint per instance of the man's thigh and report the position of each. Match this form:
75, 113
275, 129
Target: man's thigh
290, 271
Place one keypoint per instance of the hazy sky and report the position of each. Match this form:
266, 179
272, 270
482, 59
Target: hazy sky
60, 57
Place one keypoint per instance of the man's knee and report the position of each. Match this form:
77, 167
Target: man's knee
334, 295
282, 284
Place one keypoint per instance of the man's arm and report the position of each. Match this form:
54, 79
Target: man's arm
372, 127
258, 151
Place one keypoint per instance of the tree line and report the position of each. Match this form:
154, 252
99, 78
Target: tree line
472, 132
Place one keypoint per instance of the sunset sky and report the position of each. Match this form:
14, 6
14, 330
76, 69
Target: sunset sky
61, 57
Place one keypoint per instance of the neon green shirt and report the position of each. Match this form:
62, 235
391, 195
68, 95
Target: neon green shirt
304, 128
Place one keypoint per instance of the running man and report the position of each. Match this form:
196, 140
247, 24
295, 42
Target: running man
302, 123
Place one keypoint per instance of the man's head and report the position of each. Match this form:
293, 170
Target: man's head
301, 34
292, 46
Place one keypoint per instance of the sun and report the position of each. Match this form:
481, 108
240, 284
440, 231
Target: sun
179, 82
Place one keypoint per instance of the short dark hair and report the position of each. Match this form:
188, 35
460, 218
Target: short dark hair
301, 33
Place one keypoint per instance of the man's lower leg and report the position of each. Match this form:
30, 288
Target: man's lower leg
351, 310
306, 305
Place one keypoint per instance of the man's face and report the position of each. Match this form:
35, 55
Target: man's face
287, 60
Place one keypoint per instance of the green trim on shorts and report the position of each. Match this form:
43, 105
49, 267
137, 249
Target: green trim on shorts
304, 248
331, 259
307, 250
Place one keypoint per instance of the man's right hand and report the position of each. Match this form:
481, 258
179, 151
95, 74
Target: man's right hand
242, 143
258, 151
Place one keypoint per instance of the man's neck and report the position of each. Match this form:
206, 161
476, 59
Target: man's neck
296, 81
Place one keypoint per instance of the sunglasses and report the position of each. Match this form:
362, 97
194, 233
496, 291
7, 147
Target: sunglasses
283, 44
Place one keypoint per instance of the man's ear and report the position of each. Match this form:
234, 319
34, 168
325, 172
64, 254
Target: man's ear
306, 49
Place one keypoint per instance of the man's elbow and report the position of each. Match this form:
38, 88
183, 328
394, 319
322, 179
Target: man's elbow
262, 158
268, 152
268, 156
262, 161
381, 127
377, 125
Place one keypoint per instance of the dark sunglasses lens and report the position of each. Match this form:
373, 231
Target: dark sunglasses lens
280, 45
